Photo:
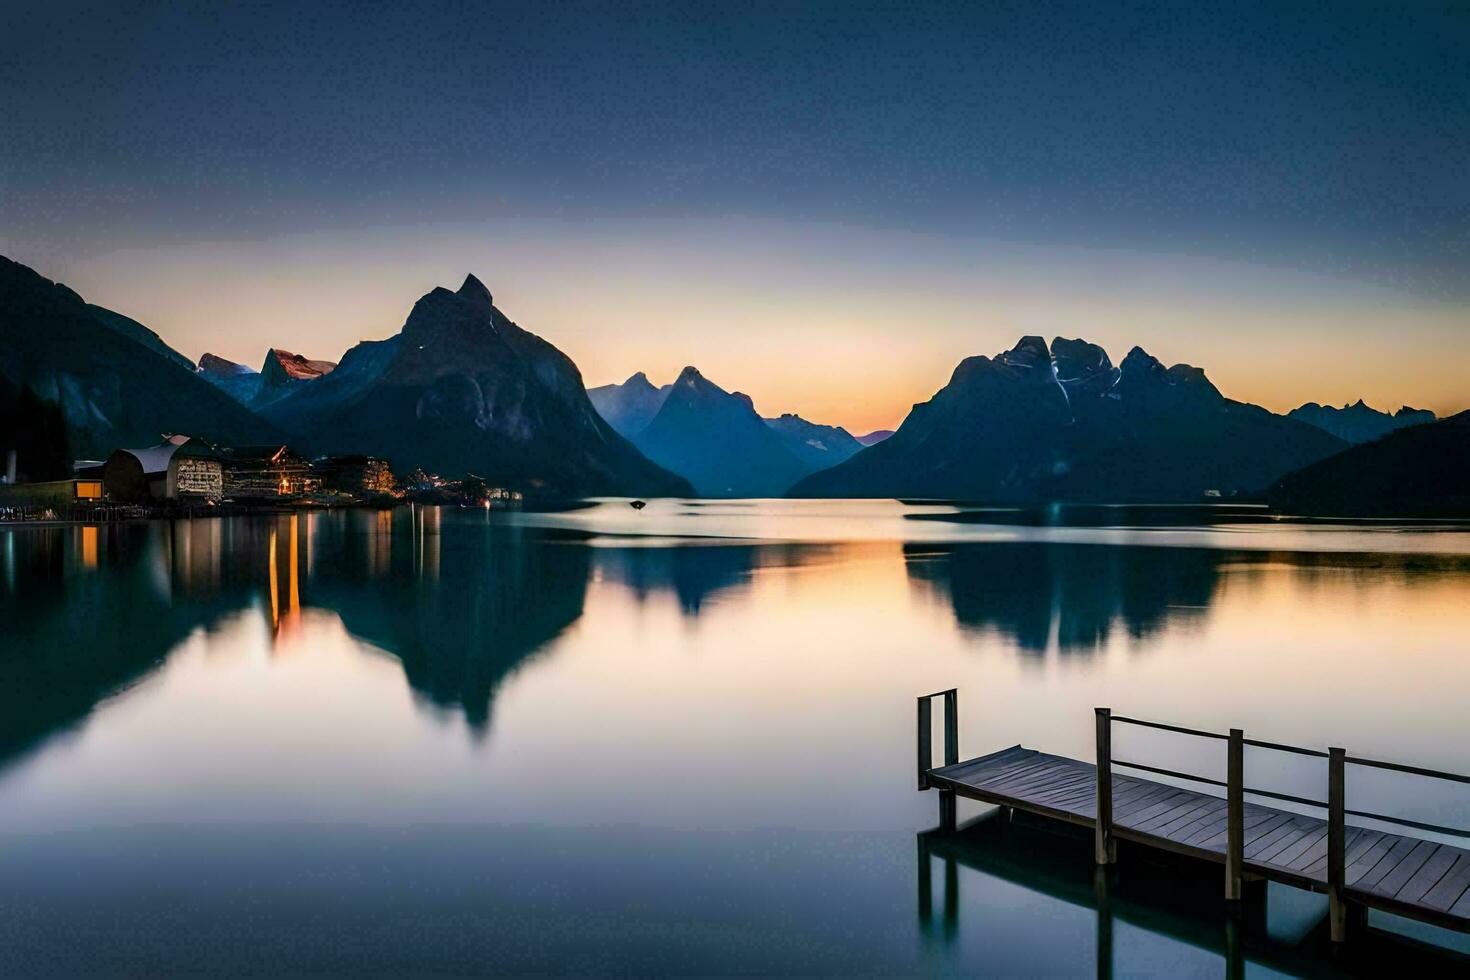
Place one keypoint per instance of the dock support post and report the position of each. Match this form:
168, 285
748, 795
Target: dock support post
1234, 815
951, 726
926, 738
1337, 912
948, 809
1105, 849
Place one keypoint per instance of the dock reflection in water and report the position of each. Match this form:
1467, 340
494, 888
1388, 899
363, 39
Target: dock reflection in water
1179, 905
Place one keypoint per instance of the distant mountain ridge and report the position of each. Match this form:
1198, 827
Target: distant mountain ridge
1041, 422
716, 440
709, 435
630, 406
1358, 422
818, 446
874, 437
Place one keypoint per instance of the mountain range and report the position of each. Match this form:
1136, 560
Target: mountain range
716, 438
1358, 422
1040, 422
462, 388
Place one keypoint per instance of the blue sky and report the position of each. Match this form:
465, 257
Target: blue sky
881, 188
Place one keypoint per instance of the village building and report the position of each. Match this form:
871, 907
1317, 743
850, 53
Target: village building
177, 469
360, 476
267, 472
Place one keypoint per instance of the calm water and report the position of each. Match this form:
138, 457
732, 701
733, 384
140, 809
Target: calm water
452, 741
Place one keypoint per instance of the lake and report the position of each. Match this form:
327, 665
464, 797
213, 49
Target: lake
455, 741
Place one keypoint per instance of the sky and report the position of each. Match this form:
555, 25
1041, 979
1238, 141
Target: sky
825, 206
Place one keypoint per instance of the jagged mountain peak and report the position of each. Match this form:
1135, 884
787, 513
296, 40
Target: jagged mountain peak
1083, 366
640, 380
474, 291
283, 365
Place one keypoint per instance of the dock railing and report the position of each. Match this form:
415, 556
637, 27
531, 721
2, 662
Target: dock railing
926, 732
1235, 791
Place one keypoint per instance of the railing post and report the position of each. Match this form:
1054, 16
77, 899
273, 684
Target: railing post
1234, 815
1104, 847
951, 727
926, 748
1337, 842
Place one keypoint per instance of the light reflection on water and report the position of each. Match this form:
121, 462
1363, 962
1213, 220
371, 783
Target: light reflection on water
690, 728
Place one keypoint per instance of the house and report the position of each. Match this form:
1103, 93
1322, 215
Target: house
361, 476
267, 472
178, 468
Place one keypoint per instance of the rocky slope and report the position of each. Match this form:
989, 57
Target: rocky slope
115, 386
1419, 471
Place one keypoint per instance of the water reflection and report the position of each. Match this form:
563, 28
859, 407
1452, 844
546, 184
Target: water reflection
462, 611
697, 573
1167, 899
75, 636
1067, 597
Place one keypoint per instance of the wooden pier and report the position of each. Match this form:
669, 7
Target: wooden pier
1357, 867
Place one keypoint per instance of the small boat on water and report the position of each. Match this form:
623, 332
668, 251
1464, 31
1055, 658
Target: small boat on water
637, 504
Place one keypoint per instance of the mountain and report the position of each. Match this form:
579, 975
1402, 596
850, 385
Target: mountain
236, 380
1040, 423
818, 446
1419, 471
282, 366
874, 437
464, 389
630, 406
1358, 422
134, 330
114, 385
715, 439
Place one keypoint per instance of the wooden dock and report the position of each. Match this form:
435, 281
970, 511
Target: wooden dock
1357, 867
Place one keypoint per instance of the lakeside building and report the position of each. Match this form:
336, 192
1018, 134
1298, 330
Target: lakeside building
359, 476
179, 468
267, 472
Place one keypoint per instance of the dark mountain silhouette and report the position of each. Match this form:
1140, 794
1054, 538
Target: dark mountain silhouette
134, 330
1358, 422
874, 437
114, 386
1420, 471
1028, 426
464, 389
818, 446
630, 406
715, 439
